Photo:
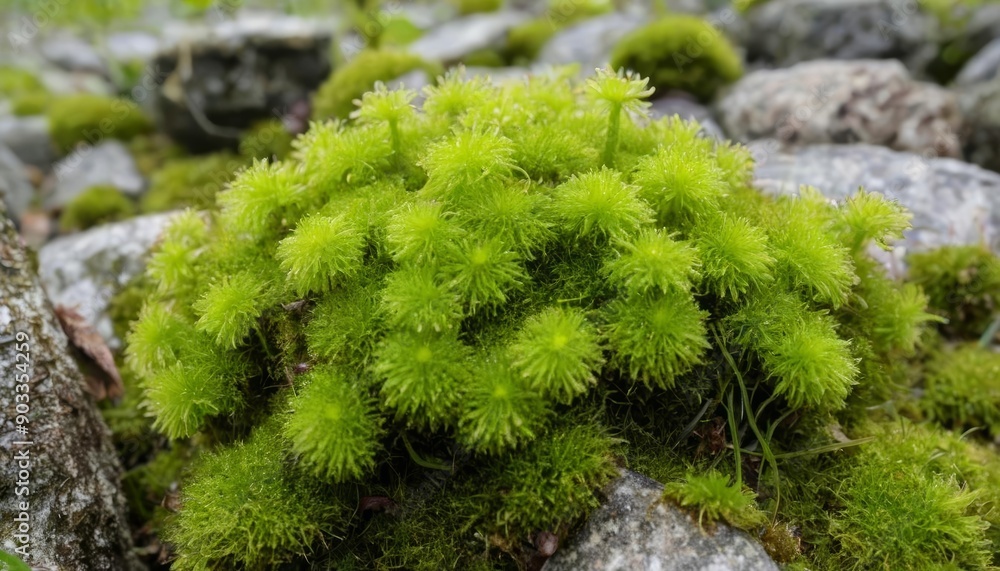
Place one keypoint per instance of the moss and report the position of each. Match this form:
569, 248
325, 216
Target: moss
26, 93
962, 389
525, 41
335, 98
266, 140
95, 206
680, 52
77, 119
963, 284
190, 181
713, 498
152, 151
466, 7
485, 58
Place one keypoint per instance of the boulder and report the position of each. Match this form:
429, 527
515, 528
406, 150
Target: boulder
786, 32
214, 80
832, 101
980, 105
61, 479
15, 190
106, 163
952, 201
72, 54
29, 139
451, 41
86, 269
634, 529
589, 43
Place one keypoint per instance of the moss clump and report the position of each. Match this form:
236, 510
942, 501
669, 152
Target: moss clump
190, 181
466, 7
525, 41
335, 98
962, 389
26, 93
963, 284
715, 498
94, 206
680, 52
77, 119
478, 293
266, 140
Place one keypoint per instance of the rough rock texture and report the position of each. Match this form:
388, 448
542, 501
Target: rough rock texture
29, 139
75, 507
15, 189
634, 530
785, 32
980, 105
85, 270
952, 202
983, 66
216, 80
453, 40
829, 101
590, 42
106, 163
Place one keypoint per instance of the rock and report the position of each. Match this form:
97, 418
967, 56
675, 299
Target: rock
15, 190
786, 32
72, 54
634, 530
450, 42
688, 110
132, 46
590, 42
29, 139
980, 105
74, 504
970, 30
217, 79
983, 66
952, 202
86, 269
107, 163
830, 101
62, 82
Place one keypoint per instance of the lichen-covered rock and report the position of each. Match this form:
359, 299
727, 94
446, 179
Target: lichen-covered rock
15, 190
636, 529
75, 509
785, 32
106, 164
952, 202
87, 269
450, 42
829, 101
590, 42
980, 105
219, 79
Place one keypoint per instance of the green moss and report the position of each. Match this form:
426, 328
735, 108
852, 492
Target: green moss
26, 93
95, 206
680, 52
485, 58
963, 284
466, 7
190, 181
152, 151
266, 140
335, 98
76, 119
962, 389
714, 499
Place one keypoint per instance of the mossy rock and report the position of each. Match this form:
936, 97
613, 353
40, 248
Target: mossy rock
190, 181
88, 118
963, 284
680, 52
95, 206
335, 98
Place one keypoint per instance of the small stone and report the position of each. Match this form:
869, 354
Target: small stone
106, 164
29, 139
73, 54
590, 42
450, 42
15, 189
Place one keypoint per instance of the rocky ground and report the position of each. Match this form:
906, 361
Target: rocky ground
836, 95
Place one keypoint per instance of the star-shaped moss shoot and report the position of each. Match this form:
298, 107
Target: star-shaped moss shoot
617, 93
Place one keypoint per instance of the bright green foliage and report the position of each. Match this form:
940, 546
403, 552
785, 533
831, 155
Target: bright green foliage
963, 284
962, 388
478, 293
266, 140
680, 52
714, 498
28, 96
94, 206
190, 181
335, 98
476, 6
92, 118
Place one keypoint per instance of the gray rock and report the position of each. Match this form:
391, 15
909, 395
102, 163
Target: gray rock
785, 32
72, 54
450, 42
634, 531
132, 46
217, 79
981, 134
983, 66
832, 101
29, 139
107, 163
688, 110
952, 202
76, 510
85, 270
62, 82
590, 42
15, 190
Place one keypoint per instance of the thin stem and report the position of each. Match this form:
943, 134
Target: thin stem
736, 440
431, 464
611, 145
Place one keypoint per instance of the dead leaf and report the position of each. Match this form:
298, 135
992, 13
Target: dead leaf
82, 335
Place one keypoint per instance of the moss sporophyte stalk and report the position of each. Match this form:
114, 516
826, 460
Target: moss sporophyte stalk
431, 334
